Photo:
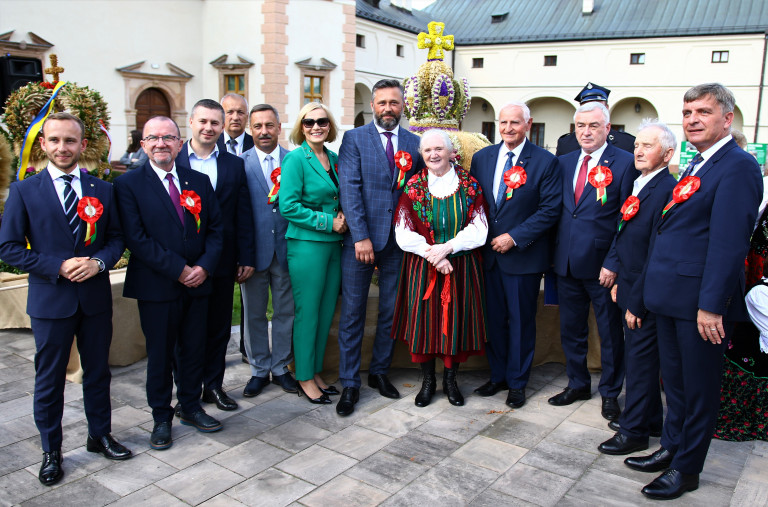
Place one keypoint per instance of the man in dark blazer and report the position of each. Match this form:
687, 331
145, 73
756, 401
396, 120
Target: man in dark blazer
235, 139
227, 176
171, 222
643, 412
596, 180
368, 192
69, 291
517, 252
271, 263
694, 282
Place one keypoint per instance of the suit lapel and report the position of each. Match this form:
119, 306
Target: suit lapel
315, 164
158, 188
378, 150
521, 161
590, 192
52, 203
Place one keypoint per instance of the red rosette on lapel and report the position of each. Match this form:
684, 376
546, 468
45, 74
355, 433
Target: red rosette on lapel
600, 177
683, 191
275, 177
90, 209
191, 201
629, 209
403, 162
514, 178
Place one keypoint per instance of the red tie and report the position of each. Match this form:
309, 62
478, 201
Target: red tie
582, 179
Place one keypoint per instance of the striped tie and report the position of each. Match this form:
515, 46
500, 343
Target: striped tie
70, 204
688, 170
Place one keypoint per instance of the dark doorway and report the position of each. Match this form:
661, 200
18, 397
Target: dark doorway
151, 102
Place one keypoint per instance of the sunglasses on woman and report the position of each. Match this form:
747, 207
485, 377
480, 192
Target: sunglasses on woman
310, 122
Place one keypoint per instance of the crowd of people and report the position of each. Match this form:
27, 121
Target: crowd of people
459, 253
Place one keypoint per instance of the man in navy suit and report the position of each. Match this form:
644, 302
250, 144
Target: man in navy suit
643, 412
171, 222
517, 252
694, 282
69, 291
368, 192
235, 139
227, 176
596, 180
271, 263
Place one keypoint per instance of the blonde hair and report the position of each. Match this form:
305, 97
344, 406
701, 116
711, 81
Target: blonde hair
297, 134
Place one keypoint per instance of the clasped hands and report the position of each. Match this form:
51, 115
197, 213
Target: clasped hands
193, 277
78, 269
340, 223
436, 255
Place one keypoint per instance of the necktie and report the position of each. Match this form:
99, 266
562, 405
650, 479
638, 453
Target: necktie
581, 180
233, 146
390, 152
502, 190
70, 204
175, 197
688, 170
269, 166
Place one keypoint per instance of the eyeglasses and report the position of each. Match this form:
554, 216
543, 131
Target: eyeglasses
166, 139
321, 122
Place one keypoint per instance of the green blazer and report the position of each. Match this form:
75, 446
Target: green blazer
309, 199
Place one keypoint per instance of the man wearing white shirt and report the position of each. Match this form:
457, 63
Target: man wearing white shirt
235, 139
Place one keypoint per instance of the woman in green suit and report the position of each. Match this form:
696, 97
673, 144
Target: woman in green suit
309, 200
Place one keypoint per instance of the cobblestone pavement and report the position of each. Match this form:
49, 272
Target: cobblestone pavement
278, 449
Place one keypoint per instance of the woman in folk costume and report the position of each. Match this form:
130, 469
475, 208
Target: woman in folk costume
440, 308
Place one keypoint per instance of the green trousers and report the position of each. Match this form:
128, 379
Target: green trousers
315, 271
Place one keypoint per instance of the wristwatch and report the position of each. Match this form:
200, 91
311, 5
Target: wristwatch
100, 263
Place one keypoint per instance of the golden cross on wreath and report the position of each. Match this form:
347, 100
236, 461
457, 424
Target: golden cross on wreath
54, 69
435, 41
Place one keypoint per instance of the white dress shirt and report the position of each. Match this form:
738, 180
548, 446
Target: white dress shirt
162, 174
642, 181
263, 161
384, 138
58, 182
207, 165
240, 140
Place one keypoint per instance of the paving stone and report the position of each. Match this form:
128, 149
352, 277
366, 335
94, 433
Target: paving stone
237, 429
250, 458
127, 417
489, 453
15, 372
20, 455
760, 448
316, 464
493, 498
719, 469
600, 488
276, 411
193, 449
386, 471
125, 477
580, 436
294, 436
559, 459
15, 408
20, 485
389, 421
514, 431
270, 488
345, 491
85, 491
17, 430
151, 496
614, 465
199, 482
750, 492
452, 424
221, 500
356, 442
533, 484
406, 404
17, 389
422, 447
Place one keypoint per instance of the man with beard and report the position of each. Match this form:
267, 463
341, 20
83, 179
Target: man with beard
271, 263
69, 290
368, 190
235, 139
170, 218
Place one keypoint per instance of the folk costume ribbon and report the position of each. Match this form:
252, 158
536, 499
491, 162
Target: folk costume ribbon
109, 137
445, 295
600, 177
275, 177
514, 178
90, 209
34, 128
683, 191
403, 162
191, 201
628, 210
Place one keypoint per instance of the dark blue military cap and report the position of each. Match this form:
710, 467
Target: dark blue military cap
592, 92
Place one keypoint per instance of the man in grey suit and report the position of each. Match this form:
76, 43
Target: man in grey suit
271, 263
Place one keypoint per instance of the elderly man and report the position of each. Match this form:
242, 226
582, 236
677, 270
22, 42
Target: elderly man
693, 281
518, 251
642, 416
235, 140
171, 221
596, 180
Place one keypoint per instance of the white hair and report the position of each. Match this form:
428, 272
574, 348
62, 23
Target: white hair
523, 107
666, 137
591, 106
442, 134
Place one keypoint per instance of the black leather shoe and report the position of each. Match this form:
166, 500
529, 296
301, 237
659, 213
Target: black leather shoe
220, 398
346, 404
614, 425
255, 386
451, 388
516, 398
568, 396
287, 382
200, 420
323, 399
385, 387
161, 436
656, 462
671, 484
427, 391
330, 390
610, 409
177, 409
51, 471
108, 447
620, 444
490, 388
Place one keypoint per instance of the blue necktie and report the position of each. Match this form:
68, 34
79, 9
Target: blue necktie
503, 186
70, 204
688, 170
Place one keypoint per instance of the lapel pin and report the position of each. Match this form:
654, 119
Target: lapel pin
186, 183
91, 185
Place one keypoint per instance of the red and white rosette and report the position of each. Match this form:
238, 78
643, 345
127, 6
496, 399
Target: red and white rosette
600, 177
192, 203
403, 162
683, 191
514, 177
629, 209
90, 209
275, 177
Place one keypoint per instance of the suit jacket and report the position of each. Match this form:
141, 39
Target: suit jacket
33, 213
269, 224
567, 143
696, 258
528, 216
632, 241
367, 188
160, 246
247, 143
586, 230
309, 199
239, 244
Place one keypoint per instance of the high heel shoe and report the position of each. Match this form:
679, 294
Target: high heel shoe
330, 390
322, 400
